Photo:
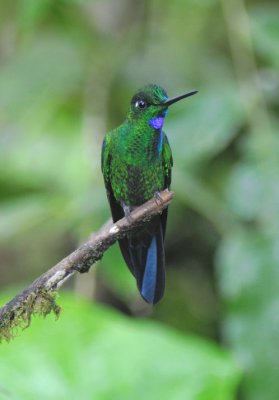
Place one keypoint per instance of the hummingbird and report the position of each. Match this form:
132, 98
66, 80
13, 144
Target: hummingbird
136, 165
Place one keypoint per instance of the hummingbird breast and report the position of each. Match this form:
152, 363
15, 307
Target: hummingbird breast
137, 169
135, 184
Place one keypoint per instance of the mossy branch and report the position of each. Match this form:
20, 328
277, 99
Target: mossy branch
39, 297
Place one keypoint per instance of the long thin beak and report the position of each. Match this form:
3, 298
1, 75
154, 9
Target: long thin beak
168, 102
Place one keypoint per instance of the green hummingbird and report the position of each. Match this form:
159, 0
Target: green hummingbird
136, 165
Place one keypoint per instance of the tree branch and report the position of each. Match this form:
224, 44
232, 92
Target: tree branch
39, 297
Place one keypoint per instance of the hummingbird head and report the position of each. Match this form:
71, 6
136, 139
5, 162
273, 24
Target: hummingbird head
150, 104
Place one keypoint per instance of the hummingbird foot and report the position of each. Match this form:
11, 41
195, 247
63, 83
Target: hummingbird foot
158, 198
127, 211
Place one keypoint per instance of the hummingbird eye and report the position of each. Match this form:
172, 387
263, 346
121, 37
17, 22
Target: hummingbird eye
141, 104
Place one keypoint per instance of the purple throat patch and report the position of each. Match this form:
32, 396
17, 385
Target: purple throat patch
156, 123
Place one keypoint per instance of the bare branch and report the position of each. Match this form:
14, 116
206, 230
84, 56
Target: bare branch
39, 297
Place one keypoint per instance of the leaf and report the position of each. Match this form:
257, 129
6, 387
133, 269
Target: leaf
247, 265
245, 190
266, 33
28, 80
93, 352
206, 126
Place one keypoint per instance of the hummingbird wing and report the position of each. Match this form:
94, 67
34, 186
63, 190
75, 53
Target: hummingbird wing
167, 165
116, 209
167, 161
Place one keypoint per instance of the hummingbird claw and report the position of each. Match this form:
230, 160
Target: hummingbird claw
127, 211
158, 198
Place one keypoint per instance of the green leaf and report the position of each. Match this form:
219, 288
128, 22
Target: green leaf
206, 126
93, 352
249, 280
28, 81
266, 33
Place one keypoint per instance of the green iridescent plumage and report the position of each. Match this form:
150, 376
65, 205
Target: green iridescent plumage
136, 164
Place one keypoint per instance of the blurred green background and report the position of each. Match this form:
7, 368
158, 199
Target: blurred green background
68, 69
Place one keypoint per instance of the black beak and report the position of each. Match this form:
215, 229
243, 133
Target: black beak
168, 102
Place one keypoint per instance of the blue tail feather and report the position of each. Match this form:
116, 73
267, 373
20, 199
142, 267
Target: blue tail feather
148, 288
145, 256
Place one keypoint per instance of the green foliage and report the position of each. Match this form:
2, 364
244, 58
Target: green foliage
248, 269
68, 69
93, 352
222, 112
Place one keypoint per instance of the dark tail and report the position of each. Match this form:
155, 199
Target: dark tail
145, 256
